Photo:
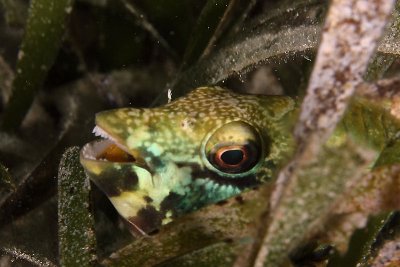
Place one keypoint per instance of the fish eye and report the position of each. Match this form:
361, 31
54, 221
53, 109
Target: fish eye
234, 148
235, 159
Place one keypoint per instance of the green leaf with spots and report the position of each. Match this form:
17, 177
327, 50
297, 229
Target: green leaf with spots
76, 233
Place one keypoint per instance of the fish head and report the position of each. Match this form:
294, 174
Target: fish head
159, 163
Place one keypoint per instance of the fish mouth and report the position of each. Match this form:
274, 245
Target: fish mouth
108, 149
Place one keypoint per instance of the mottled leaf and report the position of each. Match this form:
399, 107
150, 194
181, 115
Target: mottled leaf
304, 208
343, 51
385, 88
374, 193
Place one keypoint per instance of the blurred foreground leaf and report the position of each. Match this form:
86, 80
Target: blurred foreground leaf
308, 200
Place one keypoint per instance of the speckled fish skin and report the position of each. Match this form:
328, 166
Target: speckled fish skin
175, 176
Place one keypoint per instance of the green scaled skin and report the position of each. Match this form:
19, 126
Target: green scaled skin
200, 149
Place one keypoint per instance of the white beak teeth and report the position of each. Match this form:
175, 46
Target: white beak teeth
93, 149
100, 132
103, 134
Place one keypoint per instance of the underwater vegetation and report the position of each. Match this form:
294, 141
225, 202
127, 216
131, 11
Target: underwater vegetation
311, 177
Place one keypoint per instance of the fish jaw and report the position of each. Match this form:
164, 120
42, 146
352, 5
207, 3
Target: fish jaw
145, 199
135, 192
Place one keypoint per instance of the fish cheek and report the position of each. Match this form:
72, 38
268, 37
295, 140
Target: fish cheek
115, 179
121, 183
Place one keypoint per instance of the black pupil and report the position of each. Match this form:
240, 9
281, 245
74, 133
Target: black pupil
232, 157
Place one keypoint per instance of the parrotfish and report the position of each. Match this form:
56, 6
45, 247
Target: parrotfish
156, 164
